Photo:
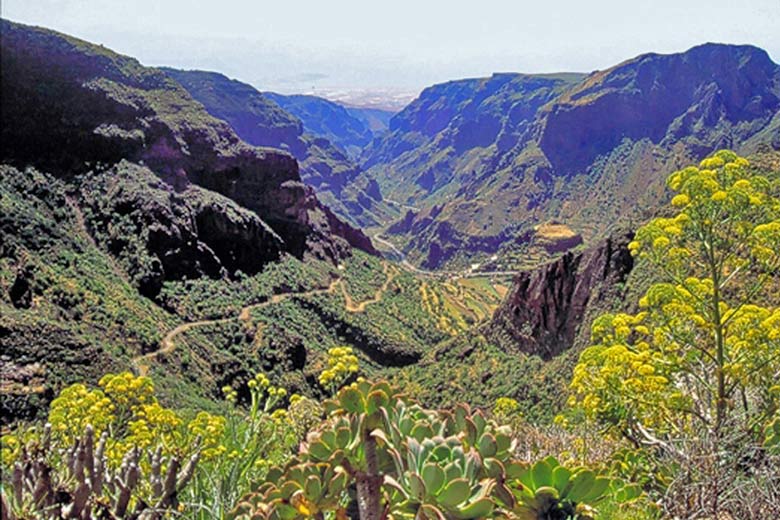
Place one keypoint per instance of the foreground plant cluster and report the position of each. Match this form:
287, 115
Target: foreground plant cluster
674, 411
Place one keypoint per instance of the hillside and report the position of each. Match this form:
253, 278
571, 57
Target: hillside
351, 129
258, 119
118, 188
486, 160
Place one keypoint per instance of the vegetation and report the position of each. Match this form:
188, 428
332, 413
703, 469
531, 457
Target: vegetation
186, 332
695, 371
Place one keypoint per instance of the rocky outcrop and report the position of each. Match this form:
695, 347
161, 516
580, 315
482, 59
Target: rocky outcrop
70, 108
547, 309
160, 234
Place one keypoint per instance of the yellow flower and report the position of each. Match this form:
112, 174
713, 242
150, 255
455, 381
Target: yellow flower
719, 196
661, 243
680, 200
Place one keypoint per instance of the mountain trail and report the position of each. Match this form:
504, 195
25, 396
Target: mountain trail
350, 304
141, 363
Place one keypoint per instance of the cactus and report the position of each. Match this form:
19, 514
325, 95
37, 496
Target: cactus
400, 460
84, 488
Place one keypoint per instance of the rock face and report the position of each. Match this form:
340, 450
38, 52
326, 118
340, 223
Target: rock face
260, 121
501, 155
70, 107
718, 94
160, 234
546, 310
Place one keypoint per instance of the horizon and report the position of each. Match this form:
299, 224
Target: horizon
339, 51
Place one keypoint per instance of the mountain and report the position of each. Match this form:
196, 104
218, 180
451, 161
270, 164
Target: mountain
486, 161
260, 121
377, 119
118, 188
351, 129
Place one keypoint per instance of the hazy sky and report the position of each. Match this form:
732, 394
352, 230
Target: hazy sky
297, 45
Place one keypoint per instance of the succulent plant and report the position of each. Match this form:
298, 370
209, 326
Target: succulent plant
400, 460
440, 479
547, 490
306, 490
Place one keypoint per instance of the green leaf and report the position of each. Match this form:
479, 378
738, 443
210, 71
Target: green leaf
541, 474
560, 478
628, 493
432, 512
596, 492
580, 485
343, 436
478, 509
375, 401
421, 432
494, 469
487, 445
313, 488
505, 496
417, 486
454, 493
434, 477
285, 512
515, 470
351, 400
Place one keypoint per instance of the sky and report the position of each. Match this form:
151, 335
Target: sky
396, 48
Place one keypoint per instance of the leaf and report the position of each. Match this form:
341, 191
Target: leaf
375, 401
487, 445
285, 512
351, 400
478, 509
379, 434
417, 486
454, 493
434, 477
580, 485
318, 451
394, 484
312, 489
505, 496
431, 512
596, 492
515, 470
560, 478
343, 436
541, 474
494, 469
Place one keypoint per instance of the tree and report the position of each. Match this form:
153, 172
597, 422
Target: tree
702, 356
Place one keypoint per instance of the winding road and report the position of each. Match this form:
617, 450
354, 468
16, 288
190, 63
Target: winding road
350, 304
143, 362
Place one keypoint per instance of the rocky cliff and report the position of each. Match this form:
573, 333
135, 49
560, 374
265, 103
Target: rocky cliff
213, 205
549, 309
498, 156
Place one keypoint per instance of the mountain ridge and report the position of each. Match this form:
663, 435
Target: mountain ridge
488, 159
